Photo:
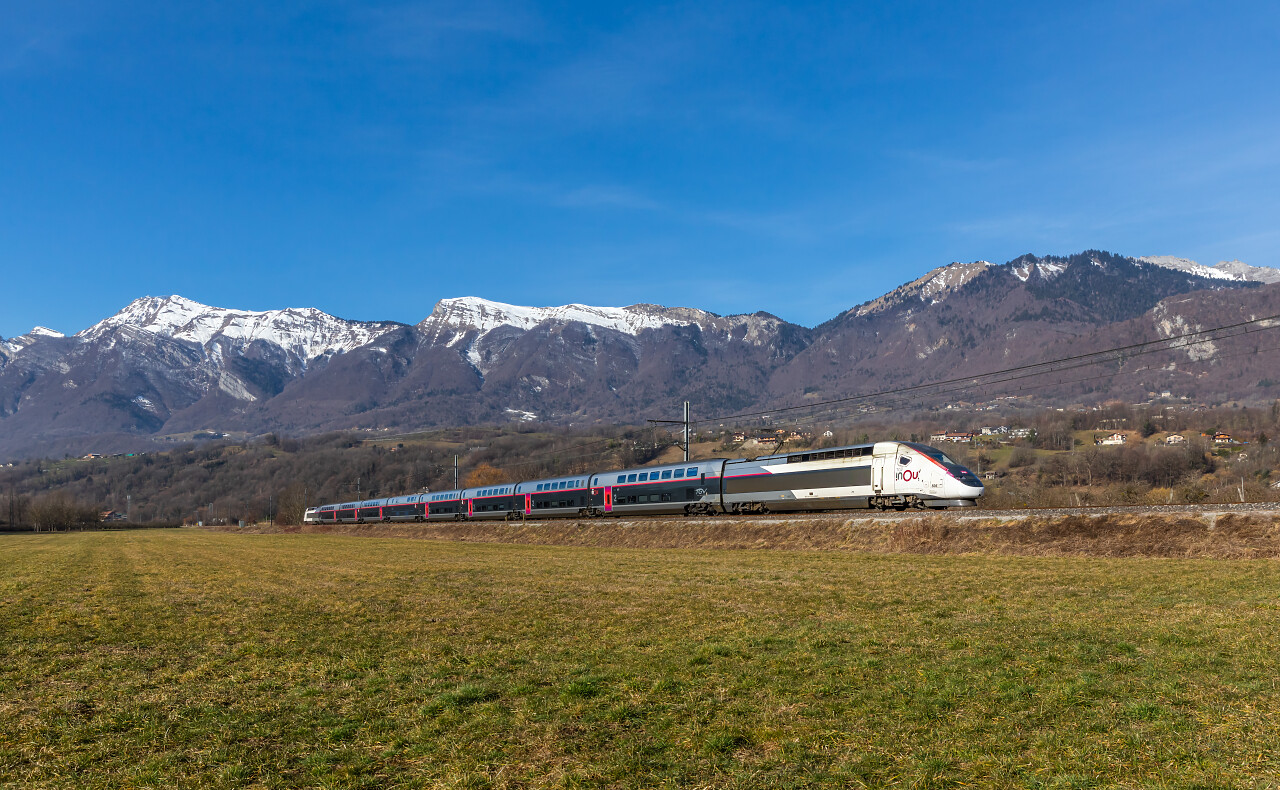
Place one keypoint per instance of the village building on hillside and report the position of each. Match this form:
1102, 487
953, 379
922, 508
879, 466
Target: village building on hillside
1221, 437
1115, 438
1175, 438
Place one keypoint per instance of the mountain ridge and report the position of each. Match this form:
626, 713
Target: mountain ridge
165, 366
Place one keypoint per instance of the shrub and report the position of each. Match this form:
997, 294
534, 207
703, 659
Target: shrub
1022, 456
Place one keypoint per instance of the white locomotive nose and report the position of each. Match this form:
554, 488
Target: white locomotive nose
957, 490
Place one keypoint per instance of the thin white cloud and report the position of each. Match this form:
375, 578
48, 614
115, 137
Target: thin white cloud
436, 29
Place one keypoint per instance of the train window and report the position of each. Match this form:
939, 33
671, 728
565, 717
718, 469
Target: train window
622, 478
666, 474
691, 472
631, 478
679, 473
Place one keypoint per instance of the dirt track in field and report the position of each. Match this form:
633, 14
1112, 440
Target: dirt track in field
1219, 532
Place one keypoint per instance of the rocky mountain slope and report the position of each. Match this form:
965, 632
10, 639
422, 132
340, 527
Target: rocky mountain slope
170, 366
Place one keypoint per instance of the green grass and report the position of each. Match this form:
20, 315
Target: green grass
204, 659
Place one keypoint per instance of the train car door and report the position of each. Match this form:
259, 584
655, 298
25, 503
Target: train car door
877, 474
608, 499
470, 507
883, 465
528, 504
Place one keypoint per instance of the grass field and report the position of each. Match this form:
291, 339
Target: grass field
195, 659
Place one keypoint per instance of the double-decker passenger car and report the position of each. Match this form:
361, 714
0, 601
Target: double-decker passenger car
486, 502
554, 496
446, 505
692, 487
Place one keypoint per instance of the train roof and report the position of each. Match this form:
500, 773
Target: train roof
659, 467
581, 480
814, 451
497, 489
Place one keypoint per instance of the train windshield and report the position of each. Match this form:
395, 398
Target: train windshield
947, 462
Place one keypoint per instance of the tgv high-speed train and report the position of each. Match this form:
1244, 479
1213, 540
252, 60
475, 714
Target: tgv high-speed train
882, 475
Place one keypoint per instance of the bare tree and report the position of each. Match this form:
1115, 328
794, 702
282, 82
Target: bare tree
291, 505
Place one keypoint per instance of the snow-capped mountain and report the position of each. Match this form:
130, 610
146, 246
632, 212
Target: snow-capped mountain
15, 345
453, 318
170, 366
471, 313
482, 331
1223, 270
304, 333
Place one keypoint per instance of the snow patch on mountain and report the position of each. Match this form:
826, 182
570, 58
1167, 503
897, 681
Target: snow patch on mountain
470, 313
1223, 270
306, 333
1046, 269
234, 387
932, 288
16, 345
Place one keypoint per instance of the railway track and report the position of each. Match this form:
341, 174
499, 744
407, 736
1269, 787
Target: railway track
965, 514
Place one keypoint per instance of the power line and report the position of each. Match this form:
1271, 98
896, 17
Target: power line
1032, 369
902, 403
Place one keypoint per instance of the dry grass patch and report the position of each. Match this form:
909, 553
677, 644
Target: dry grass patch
1226, 535
207, 659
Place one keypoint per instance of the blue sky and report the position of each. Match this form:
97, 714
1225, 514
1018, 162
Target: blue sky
369, 159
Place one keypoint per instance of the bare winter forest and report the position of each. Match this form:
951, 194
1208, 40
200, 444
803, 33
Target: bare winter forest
1169, 455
